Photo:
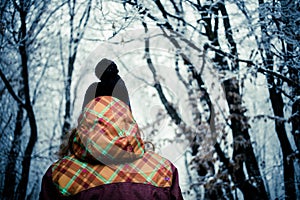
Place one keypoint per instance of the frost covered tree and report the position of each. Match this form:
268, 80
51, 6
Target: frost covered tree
33, 48
243, 42
221, 76
24, 26
79, 14
280, 57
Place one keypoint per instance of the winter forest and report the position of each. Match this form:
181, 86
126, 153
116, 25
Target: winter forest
214, 85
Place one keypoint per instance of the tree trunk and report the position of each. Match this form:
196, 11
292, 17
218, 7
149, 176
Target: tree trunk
76, 34
296, 123
22, 187
288, 166
243, 150
68, 110
278, 106
289, 17
11, 169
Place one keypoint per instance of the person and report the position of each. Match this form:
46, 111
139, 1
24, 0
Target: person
106, 159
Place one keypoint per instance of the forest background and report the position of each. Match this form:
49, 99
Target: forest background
214, 84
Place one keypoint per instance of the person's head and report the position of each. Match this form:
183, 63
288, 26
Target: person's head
106, 69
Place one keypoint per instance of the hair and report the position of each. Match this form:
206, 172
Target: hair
66, 145
106, 69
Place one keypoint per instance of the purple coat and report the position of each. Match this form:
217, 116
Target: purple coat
109, 161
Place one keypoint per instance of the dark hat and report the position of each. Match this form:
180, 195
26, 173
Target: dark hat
106, 69
111, 83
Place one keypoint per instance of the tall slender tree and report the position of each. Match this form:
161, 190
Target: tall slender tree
277, 103
77, 26
24, 21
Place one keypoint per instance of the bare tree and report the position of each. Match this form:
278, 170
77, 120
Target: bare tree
215, 53
209, 13
209, 17
23, 24
275, 85
77, 26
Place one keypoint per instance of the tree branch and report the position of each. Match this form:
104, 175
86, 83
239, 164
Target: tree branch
170, 109
284, 78
10, 89
251, 63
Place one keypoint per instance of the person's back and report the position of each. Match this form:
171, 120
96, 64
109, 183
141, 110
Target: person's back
108, 160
